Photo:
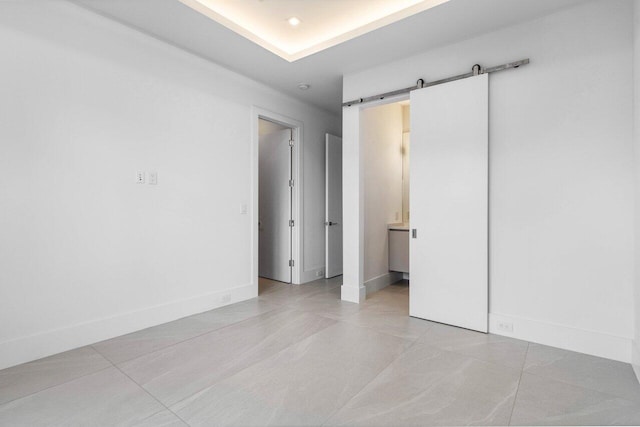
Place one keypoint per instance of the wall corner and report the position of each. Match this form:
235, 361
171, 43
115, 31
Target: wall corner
635, 356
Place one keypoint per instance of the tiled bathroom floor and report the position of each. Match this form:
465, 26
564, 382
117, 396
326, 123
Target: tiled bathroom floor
298, 355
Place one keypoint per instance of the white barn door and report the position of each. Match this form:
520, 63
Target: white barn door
449, 203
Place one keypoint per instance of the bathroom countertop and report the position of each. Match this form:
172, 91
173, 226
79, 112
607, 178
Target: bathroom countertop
398, 226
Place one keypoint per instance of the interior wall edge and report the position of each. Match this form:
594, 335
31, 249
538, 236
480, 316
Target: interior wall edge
565, 337
33, 347
636, 148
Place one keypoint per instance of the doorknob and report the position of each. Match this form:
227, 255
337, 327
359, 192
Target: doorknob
330, 223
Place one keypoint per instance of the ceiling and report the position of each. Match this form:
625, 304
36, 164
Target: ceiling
455, 20
293, 29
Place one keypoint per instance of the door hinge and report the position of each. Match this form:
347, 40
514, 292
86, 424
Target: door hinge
291, 143
291, 263
291, 183
292, 223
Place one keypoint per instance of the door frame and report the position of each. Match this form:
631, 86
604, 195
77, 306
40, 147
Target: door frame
297, 235
326, 203
353, 288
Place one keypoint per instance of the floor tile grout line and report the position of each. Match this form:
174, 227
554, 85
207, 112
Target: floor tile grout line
185, 340
296, 303
583, 387
369, 382
496, 364
223, 378
411, 345
373, 328
490, 362
93, 345
149, 394
416, 342
515, 398
59, 384
477, 359
102, 355
280, 307
499, 365
606, 393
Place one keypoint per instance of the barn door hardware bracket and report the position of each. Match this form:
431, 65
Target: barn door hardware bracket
476, 70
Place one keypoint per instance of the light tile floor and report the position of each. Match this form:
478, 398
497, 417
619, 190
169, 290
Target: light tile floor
298, 355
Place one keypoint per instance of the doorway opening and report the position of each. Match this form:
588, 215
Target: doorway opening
385, 138
447, 240
275, 197
333, 206
277, 194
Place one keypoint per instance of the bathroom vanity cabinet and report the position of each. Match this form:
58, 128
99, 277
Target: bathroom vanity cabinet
399, 248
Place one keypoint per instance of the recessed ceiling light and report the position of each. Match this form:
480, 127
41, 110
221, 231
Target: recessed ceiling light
304, 86
293, 21
326, 23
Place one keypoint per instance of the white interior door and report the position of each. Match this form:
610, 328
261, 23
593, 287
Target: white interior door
275, 210
333, 209
449, 203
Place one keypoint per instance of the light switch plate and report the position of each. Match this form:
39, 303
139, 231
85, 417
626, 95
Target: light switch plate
153, 178
140, 177
243, 209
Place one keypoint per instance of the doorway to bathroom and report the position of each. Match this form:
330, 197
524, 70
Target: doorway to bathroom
385, 138
426, 216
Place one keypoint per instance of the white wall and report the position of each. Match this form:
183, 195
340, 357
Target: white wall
636, 140
561, 171
406, 118
87, 254
406, 162
265, 127
381, 133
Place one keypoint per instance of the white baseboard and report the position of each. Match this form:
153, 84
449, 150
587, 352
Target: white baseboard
311, 275
565, 337
381, 282
355, 294
26, 349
